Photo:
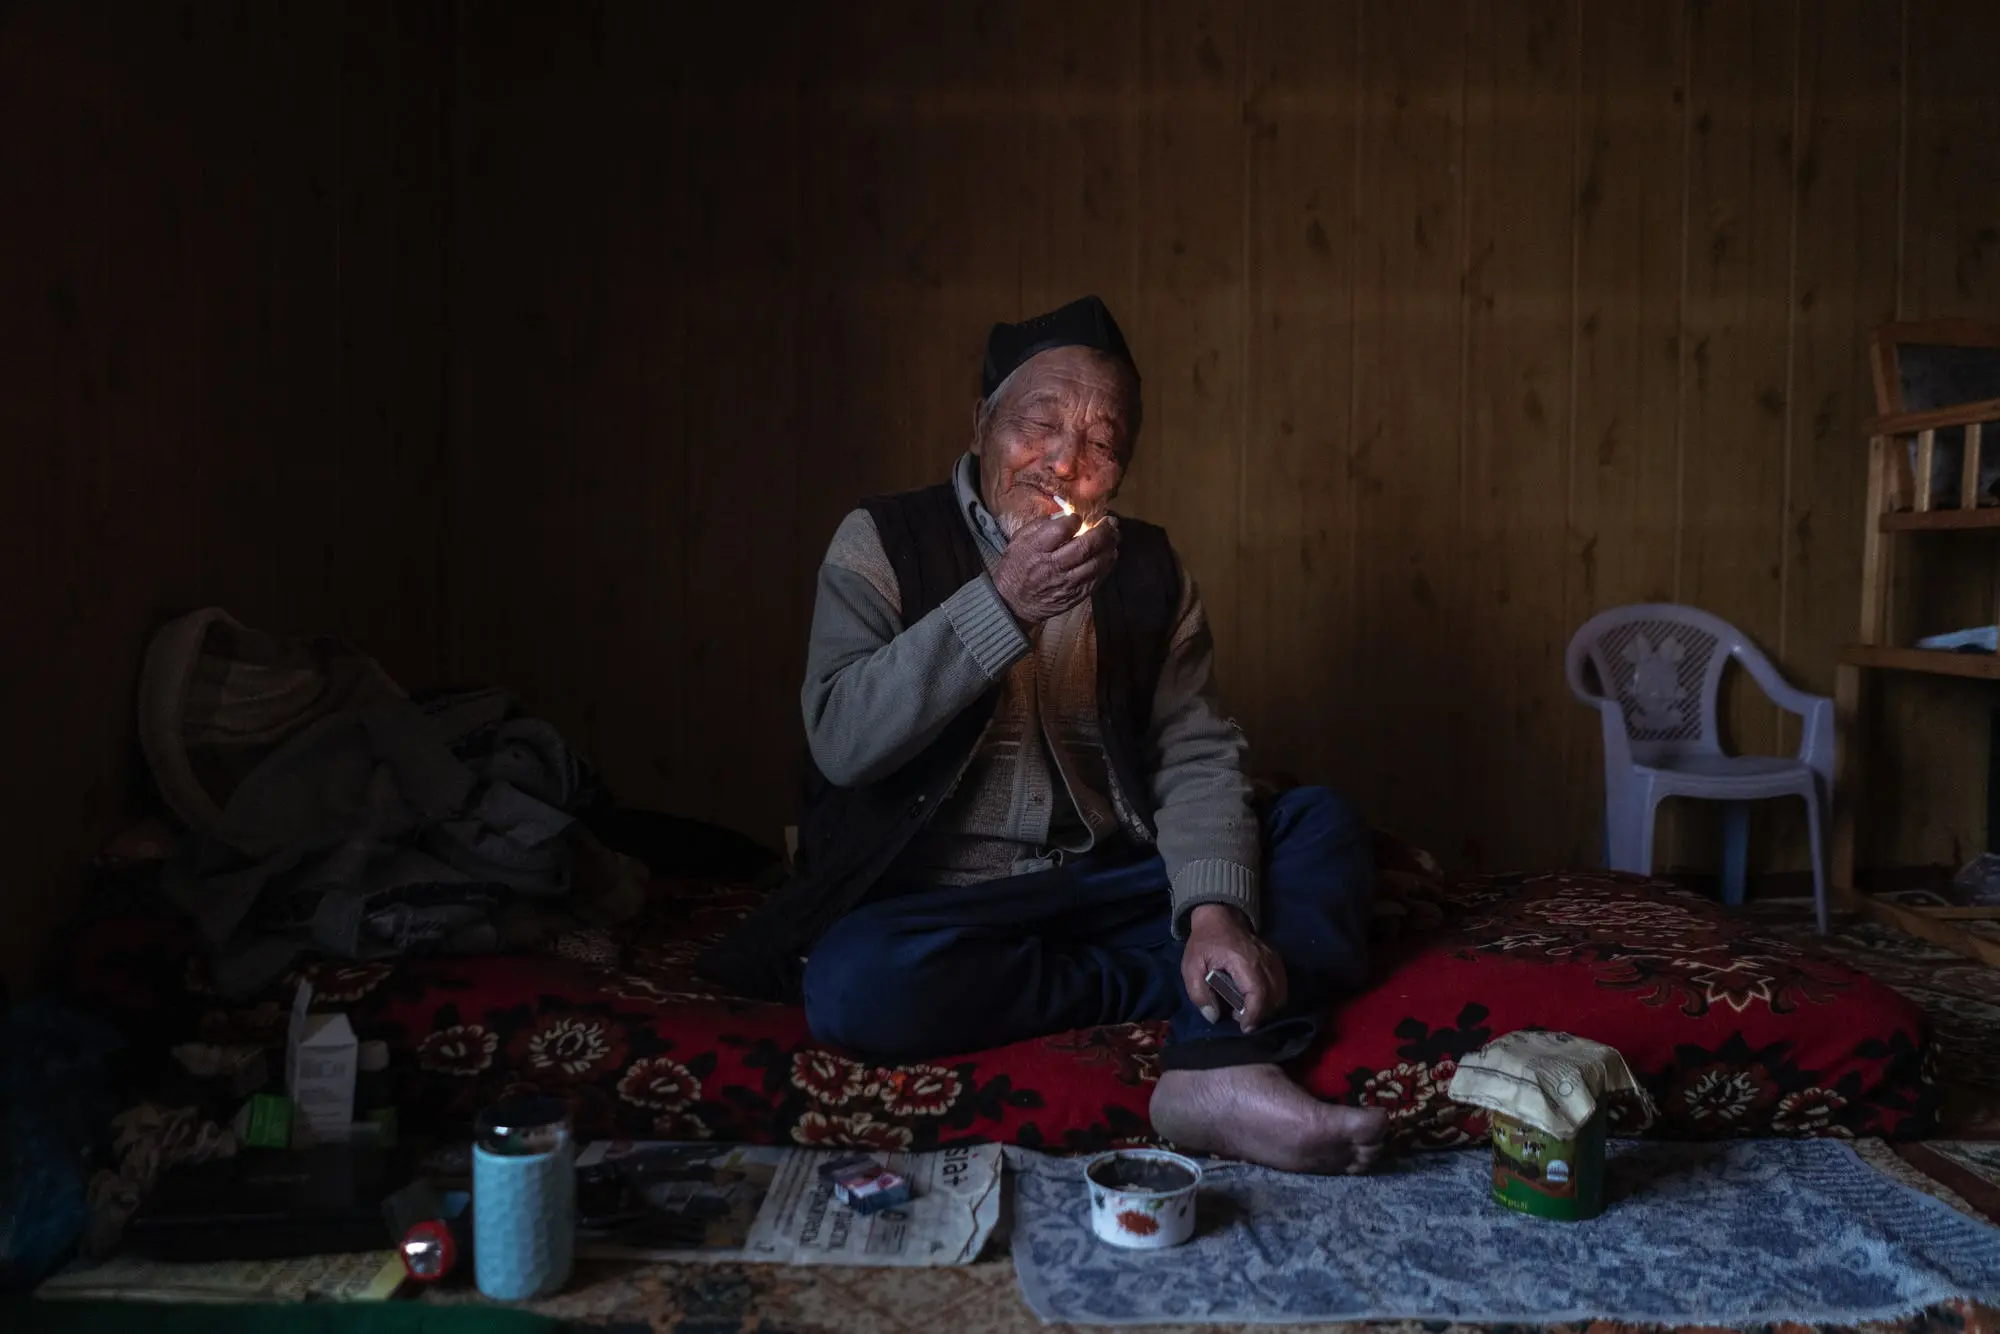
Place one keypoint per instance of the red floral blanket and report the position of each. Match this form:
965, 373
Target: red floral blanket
1733, 1032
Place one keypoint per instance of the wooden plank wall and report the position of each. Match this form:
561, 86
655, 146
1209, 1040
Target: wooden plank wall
546, 343
1460, 320
221, 372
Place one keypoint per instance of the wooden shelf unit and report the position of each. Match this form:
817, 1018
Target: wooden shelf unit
1937, 925
1941, 521
1977, 666
1902, 502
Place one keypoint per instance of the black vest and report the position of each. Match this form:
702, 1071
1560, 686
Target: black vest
850, 836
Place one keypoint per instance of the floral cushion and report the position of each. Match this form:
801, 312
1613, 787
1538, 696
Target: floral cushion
1731, 1031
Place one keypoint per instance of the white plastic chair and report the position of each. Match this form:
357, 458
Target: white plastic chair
1658, 674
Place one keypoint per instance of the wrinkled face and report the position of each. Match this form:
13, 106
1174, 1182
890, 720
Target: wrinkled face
1062, 425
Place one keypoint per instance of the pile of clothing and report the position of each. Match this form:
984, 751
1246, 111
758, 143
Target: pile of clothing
331, 812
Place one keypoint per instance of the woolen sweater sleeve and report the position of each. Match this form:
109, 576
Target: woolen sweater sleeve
1208, 834
876, 691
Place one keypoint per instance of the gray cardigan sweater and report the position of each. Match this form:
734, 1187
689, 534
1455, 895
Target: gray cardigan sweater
1038, 790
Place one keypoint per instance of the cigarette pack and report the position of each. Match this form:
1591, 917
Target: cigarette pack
865, 1186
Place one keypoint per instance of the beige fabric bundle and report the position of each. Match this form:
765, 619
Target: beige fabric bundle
1551, 1081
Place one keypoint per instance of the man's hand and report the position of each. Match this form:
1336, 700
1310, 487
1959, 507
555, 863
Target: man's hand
1218, 937
1044, 573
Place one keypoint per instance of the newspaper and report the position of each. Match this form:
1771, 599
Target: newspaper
659, 1201
367, 1276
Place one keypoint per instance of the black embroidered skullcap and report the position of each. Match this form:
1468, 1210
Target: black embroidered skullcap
1085, 322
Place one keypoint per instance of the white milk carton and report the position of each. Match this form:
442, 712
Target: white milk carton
321, 1055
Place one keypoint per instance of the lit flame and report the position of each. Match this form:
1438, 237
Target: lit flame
1068, 509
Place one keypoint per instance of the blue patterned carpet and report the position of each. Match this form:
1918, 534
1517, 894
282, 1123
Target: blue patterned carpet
1718, 1234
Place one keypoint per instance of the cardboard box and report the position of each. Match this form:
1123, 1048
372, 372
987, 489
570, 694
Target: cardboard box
321, 1057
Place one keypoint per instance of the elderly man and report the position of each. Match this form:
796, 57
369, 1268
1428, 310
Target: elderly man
1026, 810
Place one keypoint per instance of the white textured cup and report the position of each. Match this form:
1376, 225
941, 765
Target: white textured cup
523, 1222
1139, 1218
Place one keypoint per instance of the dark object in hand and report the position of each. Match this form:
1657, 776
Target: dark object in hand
1224, 986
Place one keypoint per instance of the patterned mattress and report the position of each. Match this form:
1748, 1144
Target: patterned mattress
1732, 1030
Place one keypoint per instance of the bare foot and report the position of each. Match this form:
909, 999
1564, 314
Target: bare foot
1256, 1113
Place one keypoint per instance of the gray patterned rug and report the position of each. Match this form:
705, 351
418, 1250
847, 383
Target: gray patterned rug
1702, 1234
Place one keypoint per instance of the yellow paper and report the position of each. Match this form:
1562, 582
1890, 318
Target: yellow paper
367, 1276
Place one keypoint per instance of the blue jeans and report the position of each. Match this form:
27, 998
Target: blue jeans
922, 971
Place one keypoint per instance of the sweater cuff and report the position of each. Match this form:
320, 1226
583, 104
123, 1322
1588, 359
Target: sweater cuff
986, 627
1213, 880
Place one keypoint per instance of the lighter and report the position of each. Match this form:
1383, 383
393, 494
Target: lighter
1225, 988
